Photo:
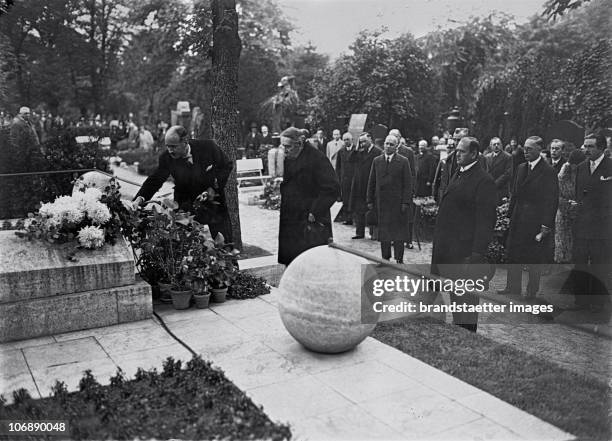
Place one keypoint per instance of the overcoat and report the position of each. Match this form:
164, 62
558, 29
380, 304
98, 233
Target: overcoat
465, 221
425, 172
346, 163
309, 186
500, 168
359, 187
390, 187
594, 195
534, 203
210, 168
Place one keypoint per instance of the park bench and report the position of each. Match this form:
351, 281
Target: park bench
250, 169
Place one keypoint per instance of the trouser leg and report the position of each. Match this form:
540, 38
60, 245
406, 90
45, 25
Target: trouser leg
385, 249
398, 250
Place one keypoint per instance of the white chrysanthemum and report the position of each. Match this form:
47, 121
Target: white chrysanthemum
91, 237
93, 194
64, 209
97, 212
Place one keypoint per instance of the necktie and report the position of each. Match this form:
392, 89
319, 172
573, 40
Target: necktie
593, 166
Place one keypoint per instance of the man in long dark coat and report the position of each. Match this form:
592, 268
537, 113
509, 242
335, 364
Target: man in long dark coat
390, 193
592, 251
499, 166
425, 170
308, 190
359, 190
200, 170
533, 207
346, 162
464, 225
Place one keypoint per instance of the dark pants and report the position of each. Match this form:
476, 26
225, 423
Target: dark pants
360, 220
398, 250
514, 283
592, 275
224, 227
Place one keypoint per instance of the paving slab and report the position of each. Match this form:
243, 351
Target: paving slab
371, 392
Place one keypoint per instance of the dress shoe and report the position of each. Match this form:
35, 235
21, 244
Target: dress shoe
409, 246
357, 237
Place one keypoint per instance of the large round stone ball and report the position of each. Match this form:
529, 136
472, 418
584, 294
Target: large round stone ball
320, 300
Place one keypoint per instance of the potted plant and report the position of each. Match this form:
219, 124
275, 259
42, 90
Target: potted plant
201, 293
220, 272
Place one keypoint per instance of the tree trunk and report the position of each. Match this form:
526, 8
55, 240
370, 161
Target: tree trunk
224, 116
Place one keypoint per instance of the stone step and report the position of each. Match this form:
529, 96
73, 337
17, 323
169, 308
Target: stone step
29, 318
37, 269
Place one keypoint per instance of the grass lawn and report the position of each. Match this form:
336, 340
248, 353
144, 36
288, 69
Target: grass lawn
192, 402
578, 404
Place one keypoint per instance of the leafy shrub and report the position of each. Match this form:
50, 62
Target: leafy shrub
247, 286
272, 195
197, 402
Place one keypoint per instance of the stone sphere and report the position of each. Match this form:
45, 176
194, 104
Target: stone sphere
320, 300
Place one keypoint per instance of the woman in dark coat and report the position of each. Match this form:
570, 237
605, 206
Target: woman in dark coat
308, 190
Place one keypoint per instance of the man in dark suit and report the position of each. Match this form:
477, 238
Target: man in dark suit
557, 150
464, 226
346, 161
359, 189
533, 207
499, 166
200, 171
308, 190
390, 193
592, 251
425, 170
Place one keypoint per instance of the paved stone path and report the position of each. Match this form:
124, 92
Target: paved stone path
372, 392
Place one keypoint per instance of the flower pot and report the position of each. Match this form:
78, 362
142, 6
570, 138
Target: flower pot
218, 294
202, 300
164, 292
181, 299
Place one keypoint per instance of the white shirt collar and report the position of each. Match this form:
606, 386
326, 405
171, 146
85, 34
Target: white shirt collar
532, 164
467, 167
389, 157
597, 161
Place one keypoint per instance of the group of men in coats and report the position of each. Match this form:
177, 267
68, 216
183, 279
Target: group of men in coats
382, 183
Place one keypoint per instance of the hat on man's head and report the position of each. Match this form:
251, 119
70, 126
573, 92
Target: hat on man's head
24, 109
253, 125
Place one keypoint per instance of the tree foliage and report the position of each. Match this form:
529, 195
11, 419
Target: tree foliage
389, 79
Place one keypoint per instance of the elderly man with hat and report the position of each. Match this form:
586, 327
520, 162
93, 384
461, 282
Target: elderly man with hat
23, 134
308, 191
200, 171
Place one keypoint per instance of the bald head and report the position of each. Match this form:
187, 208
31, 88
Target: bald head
176, 141
423, 146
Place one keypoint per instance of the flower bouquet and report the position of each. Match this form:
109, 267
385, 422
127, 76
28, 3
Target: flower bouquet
82, 216
272, 195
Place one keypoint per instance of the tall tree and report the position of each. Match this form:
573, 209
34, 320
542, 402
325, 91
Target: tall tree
225, 120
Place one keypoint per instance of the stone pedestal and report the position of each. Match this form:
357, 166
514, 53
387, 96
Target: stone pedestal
43, 293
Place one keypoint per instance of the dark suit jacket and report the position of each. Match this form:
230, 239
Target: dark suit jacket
425, 173
534, 203
408, 153
558, 165
465, 221
500, 169
309, 186
390, 187
210, 168
346, 163
359, 188
594, 194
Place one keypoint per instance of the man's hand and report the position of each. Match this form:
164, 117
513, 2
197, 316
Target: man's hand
370, 206
544, 231
137, 202
311, 217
